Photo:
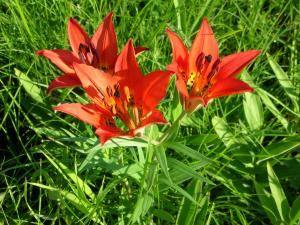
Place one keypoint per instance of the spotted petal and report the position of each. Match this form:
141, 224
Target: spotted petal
77, 36
205, 42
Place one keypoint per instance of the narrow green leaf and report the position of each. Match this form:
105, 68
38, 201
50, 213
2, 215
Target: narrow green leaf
32, 89
253, 111
270, 105
267, 203
285, 82
80, 184
163, 215
188, 210
295, 211
180, 166
180, 148
179, 189
162, 159
278, 194
223, 131
277, 149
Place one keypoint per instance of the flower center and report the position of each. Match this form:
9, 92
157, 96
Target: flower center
200, 80
88, 55
122, 106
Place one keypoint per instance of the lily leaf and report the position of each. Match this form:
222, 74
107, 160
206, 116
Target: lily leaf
278, 194
32, 89
285, 82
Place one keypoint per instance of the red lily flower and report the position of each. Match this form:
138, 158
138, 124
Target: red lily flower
127, 97
100, 51
201, 74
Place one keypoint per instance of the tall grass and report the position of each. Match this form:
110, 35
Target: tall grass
234, 162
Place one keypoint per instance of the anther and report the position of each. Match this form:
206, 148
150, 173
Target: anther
208, 58
199, 61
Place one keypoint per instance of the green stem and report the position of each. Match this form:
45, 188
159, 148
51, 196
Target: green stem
171, 128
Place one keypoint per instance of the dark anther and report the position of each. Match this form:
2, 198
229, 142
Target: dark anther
109, 122
208, 58
95, 60
82, 52
199, 61
117, 93
117, 90
214, 69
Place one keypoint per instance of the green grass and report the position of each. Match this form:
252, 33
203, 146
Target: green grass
235, 162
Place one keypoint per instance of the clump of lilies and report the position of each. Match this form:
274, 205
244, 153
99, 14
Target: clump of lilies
123, 100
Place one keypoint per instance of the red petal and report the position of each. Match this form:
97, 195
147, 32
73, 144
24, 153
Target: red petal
105, 42
61, 58
140, 49
155, 117
64, 81
179, 50
107, 134
180, 83
152, 89
94, 81
227, 87
87, 113
77, 35
205, 42
126, 68
233, 64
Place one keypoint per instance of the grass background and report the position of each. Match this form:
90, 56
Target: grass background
53, 170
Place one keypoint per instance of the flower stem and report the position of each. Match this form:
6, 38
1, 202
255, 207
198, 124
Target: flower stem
172, 127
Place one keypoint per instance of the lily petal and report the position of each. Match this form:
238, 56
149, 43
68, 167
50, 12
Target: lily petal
229, 86
180, 82
232, 65
140, 49
105, 42
107, 134
179, 50
87, 113
126, 68
205, 42
61, 58
155, 117
77, 36
64, 81
95, 82
152, 89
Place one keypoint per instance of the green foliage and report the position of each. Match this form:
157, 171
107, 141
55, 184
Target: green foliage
235, 162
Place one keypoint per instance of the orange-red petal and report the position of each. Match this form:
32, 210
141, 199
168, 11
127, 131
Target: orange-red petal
105, 42
180, 52
126, 68
64, 81
155, 117
151, 89
87, 113
229, 86
107, 134
140, 49
61, 58
95, 82
232, 65
77, 36
205, 42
